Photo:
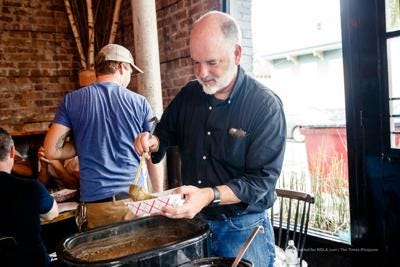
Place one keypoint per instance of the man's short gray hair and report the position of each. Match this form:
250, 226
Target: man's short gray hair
231, 30
6, 143
229, 26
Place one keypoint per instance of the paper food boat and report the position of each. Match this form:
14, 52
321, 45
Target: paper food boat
64, 194
153, 206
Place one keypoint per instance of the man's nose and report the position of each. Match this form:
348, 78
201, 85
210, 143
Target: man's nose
202, 70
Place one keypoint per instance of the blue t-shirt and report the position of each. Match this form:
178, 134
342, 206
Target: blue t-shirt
105, 119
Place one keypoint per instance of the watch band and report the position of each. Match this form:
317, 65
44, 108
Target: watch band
217, 197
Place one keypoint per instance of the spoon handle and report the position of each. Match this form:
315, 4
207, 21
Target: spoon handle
246, 245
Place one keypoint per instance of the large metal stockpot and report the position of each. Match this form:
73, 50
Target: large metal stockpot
217, 262
149, 241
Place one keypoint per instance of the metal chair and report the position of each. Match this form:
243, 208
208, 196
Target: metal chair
291, 222
7, 242
8, 246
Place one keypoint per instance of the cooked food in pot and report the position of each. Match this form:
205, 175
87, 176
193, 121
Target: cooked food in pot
122, 245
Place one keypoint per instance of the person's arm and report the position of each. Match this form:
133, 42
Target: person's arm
265, 150
164, 135
43, 174
198, 198
156, 175
146, 144
68, 179
48, 207
55, 145
52, 213
21, 167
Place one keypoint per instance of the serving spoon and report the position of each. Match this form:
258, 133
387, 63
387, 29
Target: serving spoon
136, 192
247, 244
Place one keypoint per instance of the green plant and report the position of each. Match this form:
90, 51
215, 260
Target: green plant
330, 212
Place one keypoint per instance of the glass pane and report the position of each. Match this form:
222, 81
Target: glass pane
392, 15
394, 107
394, 129
305, 68
393, 54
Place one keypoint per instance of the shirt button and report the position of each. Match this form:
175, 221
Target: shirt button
204, 157
210, 107
229, 101
199, 181
208, 133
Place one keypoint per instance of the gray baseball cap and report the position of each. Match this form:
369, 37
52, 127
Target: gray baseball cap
118, 53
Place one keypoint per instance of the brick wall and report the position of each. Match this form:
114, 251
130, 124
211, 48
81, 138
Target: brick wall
175, 18
38, 62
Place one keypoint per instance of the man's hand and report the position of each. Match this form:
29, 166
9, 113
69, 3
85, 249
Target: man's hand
195, 200
198, 198
42, 157
144, 144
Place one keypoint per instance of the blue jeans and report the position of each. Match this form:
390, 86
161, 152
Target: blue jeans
229, 235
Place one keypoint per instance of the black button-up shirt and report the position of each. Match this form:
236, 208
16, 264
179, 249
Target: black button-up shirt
238, 142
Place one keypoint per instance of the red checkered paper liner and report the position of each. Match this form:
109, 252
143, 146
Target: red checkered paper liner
153, 206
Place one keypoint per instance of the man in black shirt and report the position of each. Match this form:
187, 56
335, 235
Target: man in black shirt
22, 203
231, 132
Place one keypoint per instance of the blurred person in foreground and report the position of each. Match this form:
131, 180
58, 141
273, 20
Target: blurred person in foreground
23, 203
231, 133
104, 119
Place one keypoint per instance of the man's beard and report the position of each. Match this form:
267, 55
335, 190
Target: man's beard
220, 83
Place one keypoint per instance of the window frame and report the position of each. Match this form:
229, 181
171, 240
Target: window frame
391, 153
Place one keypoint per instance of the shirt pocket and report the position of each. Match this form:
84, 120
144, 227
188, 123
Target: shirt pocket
231, 152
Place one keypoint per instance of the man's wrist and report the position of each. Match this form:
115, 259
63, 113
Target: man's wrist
156, 145
217, 197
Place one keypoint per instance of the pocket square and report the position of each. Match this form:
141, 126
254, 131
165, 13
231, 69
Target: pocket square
237, 133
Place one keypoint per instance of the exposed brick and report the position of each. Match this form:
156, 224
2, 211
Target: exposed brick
40, 61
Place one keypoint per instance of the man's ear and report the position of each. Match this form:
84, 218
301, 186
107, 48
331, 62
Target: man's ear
238, 54
121, 69
12, 151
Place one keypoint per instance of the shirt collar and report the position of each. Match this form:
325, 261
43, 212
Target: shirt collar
238, 83
235, 90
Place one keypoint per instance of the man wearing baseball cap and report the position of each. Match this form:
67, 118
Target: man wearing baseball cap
104, 118
114, 52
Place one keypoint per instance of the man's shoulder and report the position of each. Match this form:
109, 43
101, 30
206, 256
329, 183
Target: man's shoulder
21, 183
27, 181
192, 86
260, 95
72, 96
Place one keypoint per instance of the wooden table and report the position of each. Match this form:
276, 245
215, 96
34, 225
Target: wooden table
62, 216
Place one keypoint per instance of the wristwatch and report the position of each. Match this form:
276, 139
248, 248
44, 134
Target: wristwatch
217, 197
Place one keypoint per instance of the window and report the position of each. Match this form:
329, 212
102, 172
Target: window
302, 62
392, 36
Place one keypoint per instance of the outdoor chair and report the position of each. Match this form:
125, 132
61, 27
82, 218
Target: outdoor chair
8, 246
291, 221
